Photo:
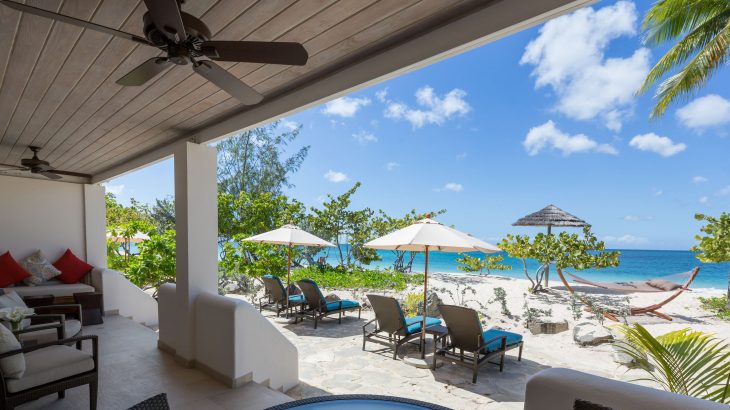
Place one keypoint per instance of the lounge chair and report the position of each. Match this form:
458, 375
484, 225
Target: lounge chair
467, 336
275, 297
318, 308
656, 285
390, 320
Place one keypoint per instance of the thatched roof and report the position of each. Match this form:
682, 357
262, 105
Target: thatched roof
551, 215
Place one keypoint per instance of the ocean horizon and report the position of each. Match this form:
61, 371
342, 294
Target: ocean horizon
634, 265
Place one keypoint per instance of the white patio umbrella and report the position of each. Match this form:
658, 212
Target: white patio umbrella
136, 238
289, 235
428, 235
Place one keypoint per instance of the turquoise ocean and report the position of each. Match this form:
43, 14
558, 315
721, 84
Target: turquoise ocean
634, 265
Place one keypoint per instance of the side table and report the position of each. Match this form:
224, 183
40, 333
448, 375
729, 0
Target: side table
92, 307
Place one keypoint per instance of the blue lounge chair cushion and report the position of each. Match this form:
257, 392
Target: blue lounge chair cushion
413, 323
296, 298
346, 304
512, 338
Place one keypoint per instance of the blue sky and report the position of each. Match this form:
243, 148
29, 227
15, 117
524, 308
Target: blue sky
544, 116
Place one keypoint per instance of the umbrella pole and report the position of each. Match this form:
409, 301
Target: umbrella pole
425, 300
288, 280
547, 268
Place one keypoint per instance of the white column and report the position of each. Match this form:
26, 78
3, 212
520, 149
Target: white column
95, 225
196, 223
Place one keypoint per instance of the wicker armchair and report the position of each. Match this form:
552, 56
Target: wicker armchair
52, 367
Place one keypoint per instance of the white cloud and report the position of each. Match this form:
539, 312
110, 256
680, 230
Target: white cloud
434, 109
115, 190
392, 166
708, 111
703, 200
345, 107
657, 192
548, 136
725, 191
461, 156
453, 186
290, 125
365, 137
569, 57
382, 95
699, 179
335, 176
632, 218
651, 142
625, 240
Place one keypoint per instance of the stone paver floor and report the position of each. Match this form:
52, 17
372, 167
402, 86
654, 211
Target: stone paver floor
331, 361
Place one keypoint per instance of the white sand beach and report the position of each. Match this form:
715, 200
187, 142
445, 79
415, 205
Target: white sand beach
331, 359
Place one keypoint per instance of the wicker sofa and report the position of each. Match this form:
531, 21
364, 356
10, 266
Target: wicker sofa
63, 292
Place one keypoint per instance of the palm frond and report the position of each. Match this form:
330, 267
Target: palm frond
668, 19
684, 361
695, 73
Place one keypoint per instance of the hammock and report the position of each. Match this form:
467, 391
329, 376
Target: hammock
634, 287
652, 285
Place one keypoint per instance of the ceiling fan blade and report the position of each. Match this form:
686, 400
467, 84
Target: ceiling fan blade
264, 52
49, 175
166, 16
144, 72
228, 82
71, 20
72, 174
8, 167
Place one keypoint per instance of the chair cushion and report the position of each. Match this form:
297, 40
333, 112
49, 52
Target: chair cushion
10, 271
72, 268
12, 367
57, 290
50, 364
40, 269
512, 338
296, 298
72, 328
346, 304
414, 323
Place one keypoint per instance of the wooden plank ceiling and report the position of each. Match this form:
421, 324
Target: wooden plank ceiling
57, 81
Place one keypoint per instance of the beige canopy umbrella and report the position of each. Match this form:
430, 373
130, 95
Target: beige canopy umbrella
428, 235
289, 235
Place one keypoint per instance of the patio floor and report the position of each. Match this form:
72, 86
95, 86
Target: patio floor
132, 369
331, 361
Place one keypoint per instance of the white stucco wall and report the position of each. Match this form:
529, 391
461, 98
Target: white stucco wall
37, 214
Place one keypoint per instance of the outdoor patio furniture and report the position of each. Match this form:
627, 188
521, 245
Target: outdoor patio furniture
35, 331
475, 346
390, 320
51, 368
275, 297
92, 307
317, 306
655, 285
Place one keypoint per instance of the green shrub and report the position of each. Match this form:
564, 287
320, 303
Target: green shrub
411, 303
716, 305
358, 278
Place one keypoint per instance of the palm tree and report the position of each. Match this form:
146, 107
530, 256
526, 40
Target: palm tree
705, 25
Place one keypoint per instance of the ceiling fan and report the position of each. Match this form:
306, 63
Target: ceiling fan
185, 39
37, 166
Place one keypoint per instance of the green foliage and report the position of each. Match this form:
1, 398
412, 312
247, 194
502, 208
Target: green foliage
155, 263
714, 247
474, 264
717, 305
576, 307
357, 278
705, 25
564, 250
530, 314
412, 303
252, 161
684, 361
500, 295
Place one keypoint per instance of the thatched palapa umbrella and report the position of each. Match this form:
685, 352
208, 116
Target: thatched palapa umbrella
550, 216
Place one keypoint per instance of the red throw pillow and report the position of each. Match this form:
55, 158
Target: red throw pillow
72, 268
10, 271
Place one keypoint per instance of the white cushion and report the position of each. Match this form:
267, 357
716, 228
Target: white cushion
50, 364
72, 328
56, 290
39, 268
13, 366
